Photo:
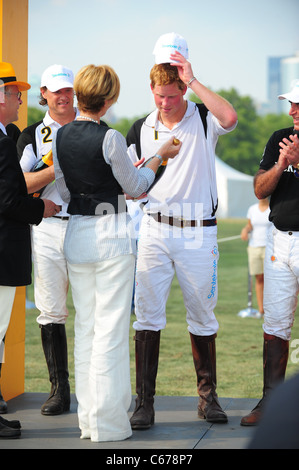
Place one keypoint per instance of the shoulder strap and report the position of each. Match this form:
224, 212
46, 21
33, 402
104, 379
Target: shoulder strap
133, 136
27, 137
203, 111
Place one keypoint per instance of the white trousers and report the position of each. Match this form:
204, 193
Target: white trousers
193, 256
281, 282
7, 297
102, 295
50, 270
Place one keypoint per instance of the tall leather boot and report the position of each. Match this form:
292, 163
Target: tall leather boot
275, 359
8, 429
147, 344
204, 357
55, 348
3, 404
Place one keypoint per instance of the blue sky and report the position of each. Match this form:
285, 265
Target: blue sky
229, 40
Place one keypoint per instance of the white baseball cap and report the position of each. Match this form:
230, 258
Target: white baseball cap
293, 95
167, 44
57, 77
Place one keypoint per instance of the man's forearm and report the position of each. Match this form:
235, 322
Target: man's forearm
39, 179
265, 182
216, 104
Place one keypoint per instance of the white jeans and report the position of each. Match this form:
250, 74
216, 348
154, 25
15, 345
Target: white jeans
50, 270
164, 251
281, 282
102, 295
7, 297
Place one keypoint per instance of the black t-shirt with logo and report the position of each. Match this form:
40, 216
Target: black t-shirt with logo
284, 203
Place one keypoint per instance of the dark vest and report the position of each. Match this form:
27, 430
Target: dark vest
89, 179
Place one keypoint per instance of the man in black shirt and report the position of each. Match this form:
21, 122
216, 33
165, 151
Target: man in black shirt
278, 177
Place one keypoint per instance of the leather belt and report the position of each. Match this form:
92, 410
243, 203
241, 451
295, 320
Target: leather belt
60, 217
181, 222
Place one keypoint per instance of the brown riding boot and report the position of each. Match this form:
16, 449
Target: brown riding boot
147, 345
204, 357
275, 359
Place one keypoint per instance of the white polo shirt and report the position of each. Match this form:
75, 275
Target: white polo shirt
188, 186
2, 128
43, 134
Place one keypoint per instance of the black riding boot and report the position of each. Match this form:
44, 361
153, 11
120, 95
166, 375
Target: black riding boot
3, 404
147, 345
55, 348
4, 423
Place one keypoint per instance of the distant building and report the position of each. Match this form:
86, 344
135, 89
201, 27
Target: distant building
274, 84
289, 73
282, 71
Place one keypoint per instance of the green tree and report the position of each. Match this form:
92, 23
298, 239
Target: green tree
34, 115
239, 148
271, 123
123, 124
243, 148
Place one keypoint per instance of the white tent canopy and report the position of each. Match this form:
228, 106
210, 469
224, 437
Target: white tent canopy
235, 191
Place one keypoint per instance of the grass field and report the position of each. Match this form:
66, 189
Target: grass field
239, 342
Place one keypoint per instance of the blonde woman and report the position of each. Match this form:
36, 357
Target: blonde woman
93, 172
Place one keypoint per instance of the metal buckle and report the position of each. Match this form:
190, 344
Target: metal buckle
183, 222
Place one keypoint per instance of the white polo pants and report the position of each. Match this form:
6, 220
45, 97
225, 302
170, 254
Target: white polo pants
50, 270
7, 297
102, 295
190, 253
281, 282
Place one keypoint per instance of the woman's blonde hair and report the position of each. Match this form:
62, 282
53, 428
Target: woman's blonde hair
94, 85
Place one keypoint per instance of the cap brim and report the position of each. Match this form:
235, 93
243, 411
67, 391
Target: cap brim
282, 97
293, 97
164, 59
22, 86
60, 87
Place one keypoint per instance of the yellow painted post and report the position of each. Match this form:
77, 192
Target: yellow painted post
14, 45
14, 49
13, 368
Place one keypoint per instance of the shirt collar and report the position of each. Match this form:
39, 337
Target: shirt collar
153, 121
48, 121
3, 128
